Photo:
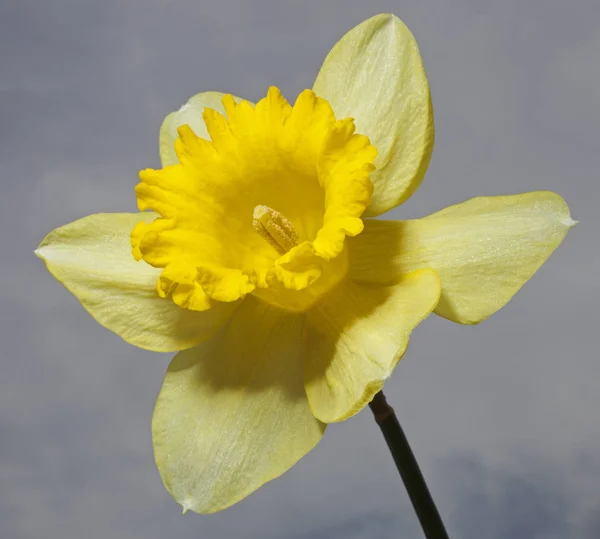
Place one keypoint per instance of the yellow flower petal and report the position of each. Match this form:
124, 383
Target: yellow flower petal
375, 75
484, 249
295, 165
191, 114
232, 413
92, 258
357, 335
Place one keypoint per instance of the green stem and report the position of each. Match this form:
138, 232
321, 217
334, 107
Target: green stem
421, 499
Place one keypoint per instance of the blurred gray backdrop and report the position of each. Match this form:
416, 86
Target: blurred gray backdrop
504, 417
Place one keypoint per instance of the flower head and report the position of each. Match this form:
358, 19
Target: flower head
254, 257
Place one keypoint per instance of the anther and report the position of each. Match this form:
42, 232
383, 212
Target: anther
275, 228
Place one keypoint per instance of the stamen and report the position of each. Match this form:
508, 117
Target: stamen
275, 228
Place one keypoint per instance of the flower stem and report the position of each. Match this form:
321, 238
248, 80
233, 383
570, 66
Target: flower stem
421, 499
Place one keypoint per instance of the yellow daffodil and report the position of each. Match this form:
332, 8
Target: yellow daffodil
258, 263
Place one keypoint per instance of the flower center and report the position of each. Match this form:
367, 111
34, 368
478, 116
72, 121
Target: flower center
299, 159
275, 228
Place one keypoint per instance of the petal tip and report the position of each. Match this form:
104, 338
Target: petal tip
185, 506
569, 222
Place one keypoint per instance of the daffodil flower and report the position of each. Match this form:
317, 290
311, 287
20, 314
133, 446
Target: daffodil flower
255, 256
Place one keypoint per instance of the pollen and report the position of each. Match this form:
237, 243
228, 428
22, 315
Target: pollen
275, 228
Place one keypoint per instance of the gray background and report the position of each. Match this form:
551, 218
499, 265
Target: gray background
503, 416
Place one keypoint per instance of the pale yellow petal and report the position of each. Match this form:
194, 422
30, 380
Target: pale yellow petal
357, 335
190, 114
92, 258
484, 249
232, 413
375, 75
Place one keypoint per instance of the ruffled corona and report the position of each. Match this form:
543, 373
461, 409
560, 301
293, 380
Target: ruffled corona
262, 208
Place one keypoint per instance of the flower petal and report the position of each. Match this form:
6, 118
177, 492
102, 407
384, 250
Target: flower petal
375, 75
484, 249
356, 337
295, 161
92, 258
232, 413
191, 114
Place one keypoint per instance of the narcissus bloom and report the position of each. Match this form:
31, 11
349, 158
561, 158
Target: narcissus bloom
255, 256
